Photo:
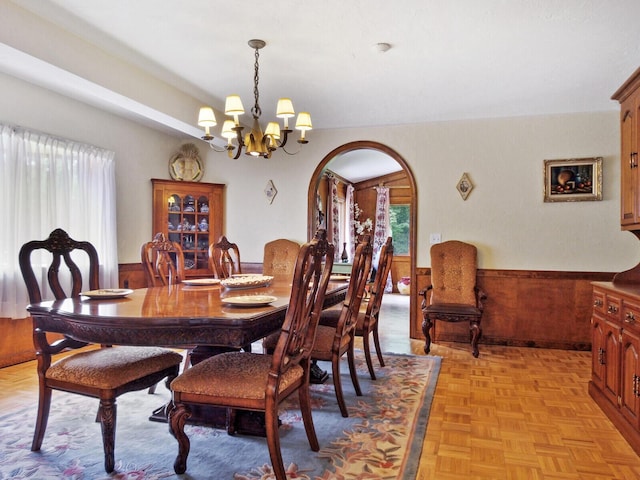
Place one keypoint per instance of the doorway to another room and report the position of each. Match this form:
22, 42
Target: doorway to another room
362, 170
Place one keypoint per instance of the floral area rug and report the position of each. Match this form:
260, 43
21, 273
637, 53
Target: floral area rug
381, 439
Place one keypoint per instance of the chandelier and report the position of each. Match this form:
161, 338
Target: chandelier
255, 143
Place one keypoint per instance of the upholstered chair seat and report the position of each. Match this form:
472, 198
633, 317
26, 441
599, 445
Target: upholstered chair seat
234, 377
111, 368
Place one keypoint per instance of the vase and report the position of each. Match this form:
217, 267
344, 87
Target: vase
344, 257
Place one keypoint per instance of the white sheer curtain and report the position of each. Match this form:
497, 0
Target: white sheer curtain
349, 217
48, 183
334, 209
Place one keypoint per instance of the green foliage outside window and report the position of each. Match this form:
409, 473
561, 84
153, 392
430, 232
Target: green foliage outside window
399, 220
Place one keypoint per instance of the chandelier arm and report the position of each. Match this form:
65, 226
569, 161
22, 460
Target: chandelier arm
284, 133
214, 148
237, 155
289, 153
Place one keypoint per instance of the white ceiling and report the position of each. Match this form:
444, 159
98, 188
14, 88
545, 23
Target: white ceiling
449, 59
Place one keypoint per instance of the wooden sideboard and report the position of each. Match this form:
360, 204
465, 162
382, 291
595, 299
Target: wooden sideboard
615, 377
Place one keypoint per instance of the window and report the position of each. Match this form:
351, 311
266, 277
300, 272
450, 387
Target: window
48, 183
399, 219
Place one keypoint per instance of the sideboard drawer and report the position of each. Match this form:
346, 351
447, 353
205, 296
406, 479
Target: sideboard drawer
598, 301
612, 307
631, 316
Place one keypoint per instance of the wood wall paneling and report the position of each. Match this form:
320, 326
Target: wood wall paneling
525, 308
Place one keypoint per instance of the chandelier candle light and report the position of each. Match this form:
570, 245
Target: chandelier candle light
255, 143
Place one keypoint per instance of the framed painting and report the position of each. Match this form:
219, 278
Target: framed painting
573, 180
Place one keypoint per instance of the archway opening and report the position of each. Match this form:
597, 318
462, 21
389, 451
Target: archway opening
400, 177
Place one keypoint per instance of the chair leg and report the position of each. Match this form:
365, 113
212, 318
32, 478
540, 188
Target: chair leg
44, 405
305, 407
108, 410
337, 385
177, 416
476, 333
273, 440
376, 341
427, 323
352, 368
367, 354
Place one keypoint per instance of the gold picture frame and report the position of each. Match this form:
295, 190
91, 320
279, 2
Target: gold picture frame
573, 180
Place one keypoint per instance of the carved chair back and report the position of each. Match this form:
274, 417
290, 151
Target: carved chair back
224, 258
162, 261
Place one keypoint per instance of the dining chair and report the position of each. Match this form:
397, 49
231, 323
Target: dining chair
367, 323
336, 329
102, 373
163, 265
162, 261
453, 295
224, 258
280, 257
259, 382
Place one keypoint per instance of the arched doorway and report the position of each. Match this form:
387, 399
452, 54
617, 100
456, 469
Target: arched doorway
410, 180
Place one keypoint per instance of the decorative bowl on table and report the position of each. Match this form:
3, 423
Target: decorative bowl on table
247, 281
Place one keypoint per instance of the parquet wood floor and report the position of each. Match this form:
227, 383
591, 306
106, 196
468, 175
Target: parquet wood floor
512, 414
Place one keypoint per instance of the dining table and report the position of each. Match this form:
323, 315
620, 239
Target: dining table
206, 315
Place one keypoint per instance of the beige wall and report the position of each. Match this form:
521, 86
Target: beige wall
504, 215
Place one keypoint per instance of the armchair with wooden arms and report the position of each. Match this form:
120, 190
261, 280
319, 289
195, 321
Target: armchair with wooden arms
102, 373
224, 258
260, 382
453, 295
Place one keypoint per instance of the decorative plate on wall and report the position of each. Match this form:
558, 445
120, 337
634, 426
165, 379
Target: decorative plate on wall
186, 164
464, 186
270, 191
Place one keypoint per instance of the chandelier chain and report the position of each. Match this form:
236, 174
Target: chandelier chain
256, 110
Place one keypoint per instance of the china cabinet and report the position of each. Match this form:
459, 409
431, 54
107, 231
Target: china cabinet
190, 213
629, 97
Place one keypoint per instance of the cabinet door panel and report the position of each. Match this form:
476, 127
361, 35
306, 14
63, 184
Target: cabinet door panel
628, 172
611, 381
629, 377
597, 350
